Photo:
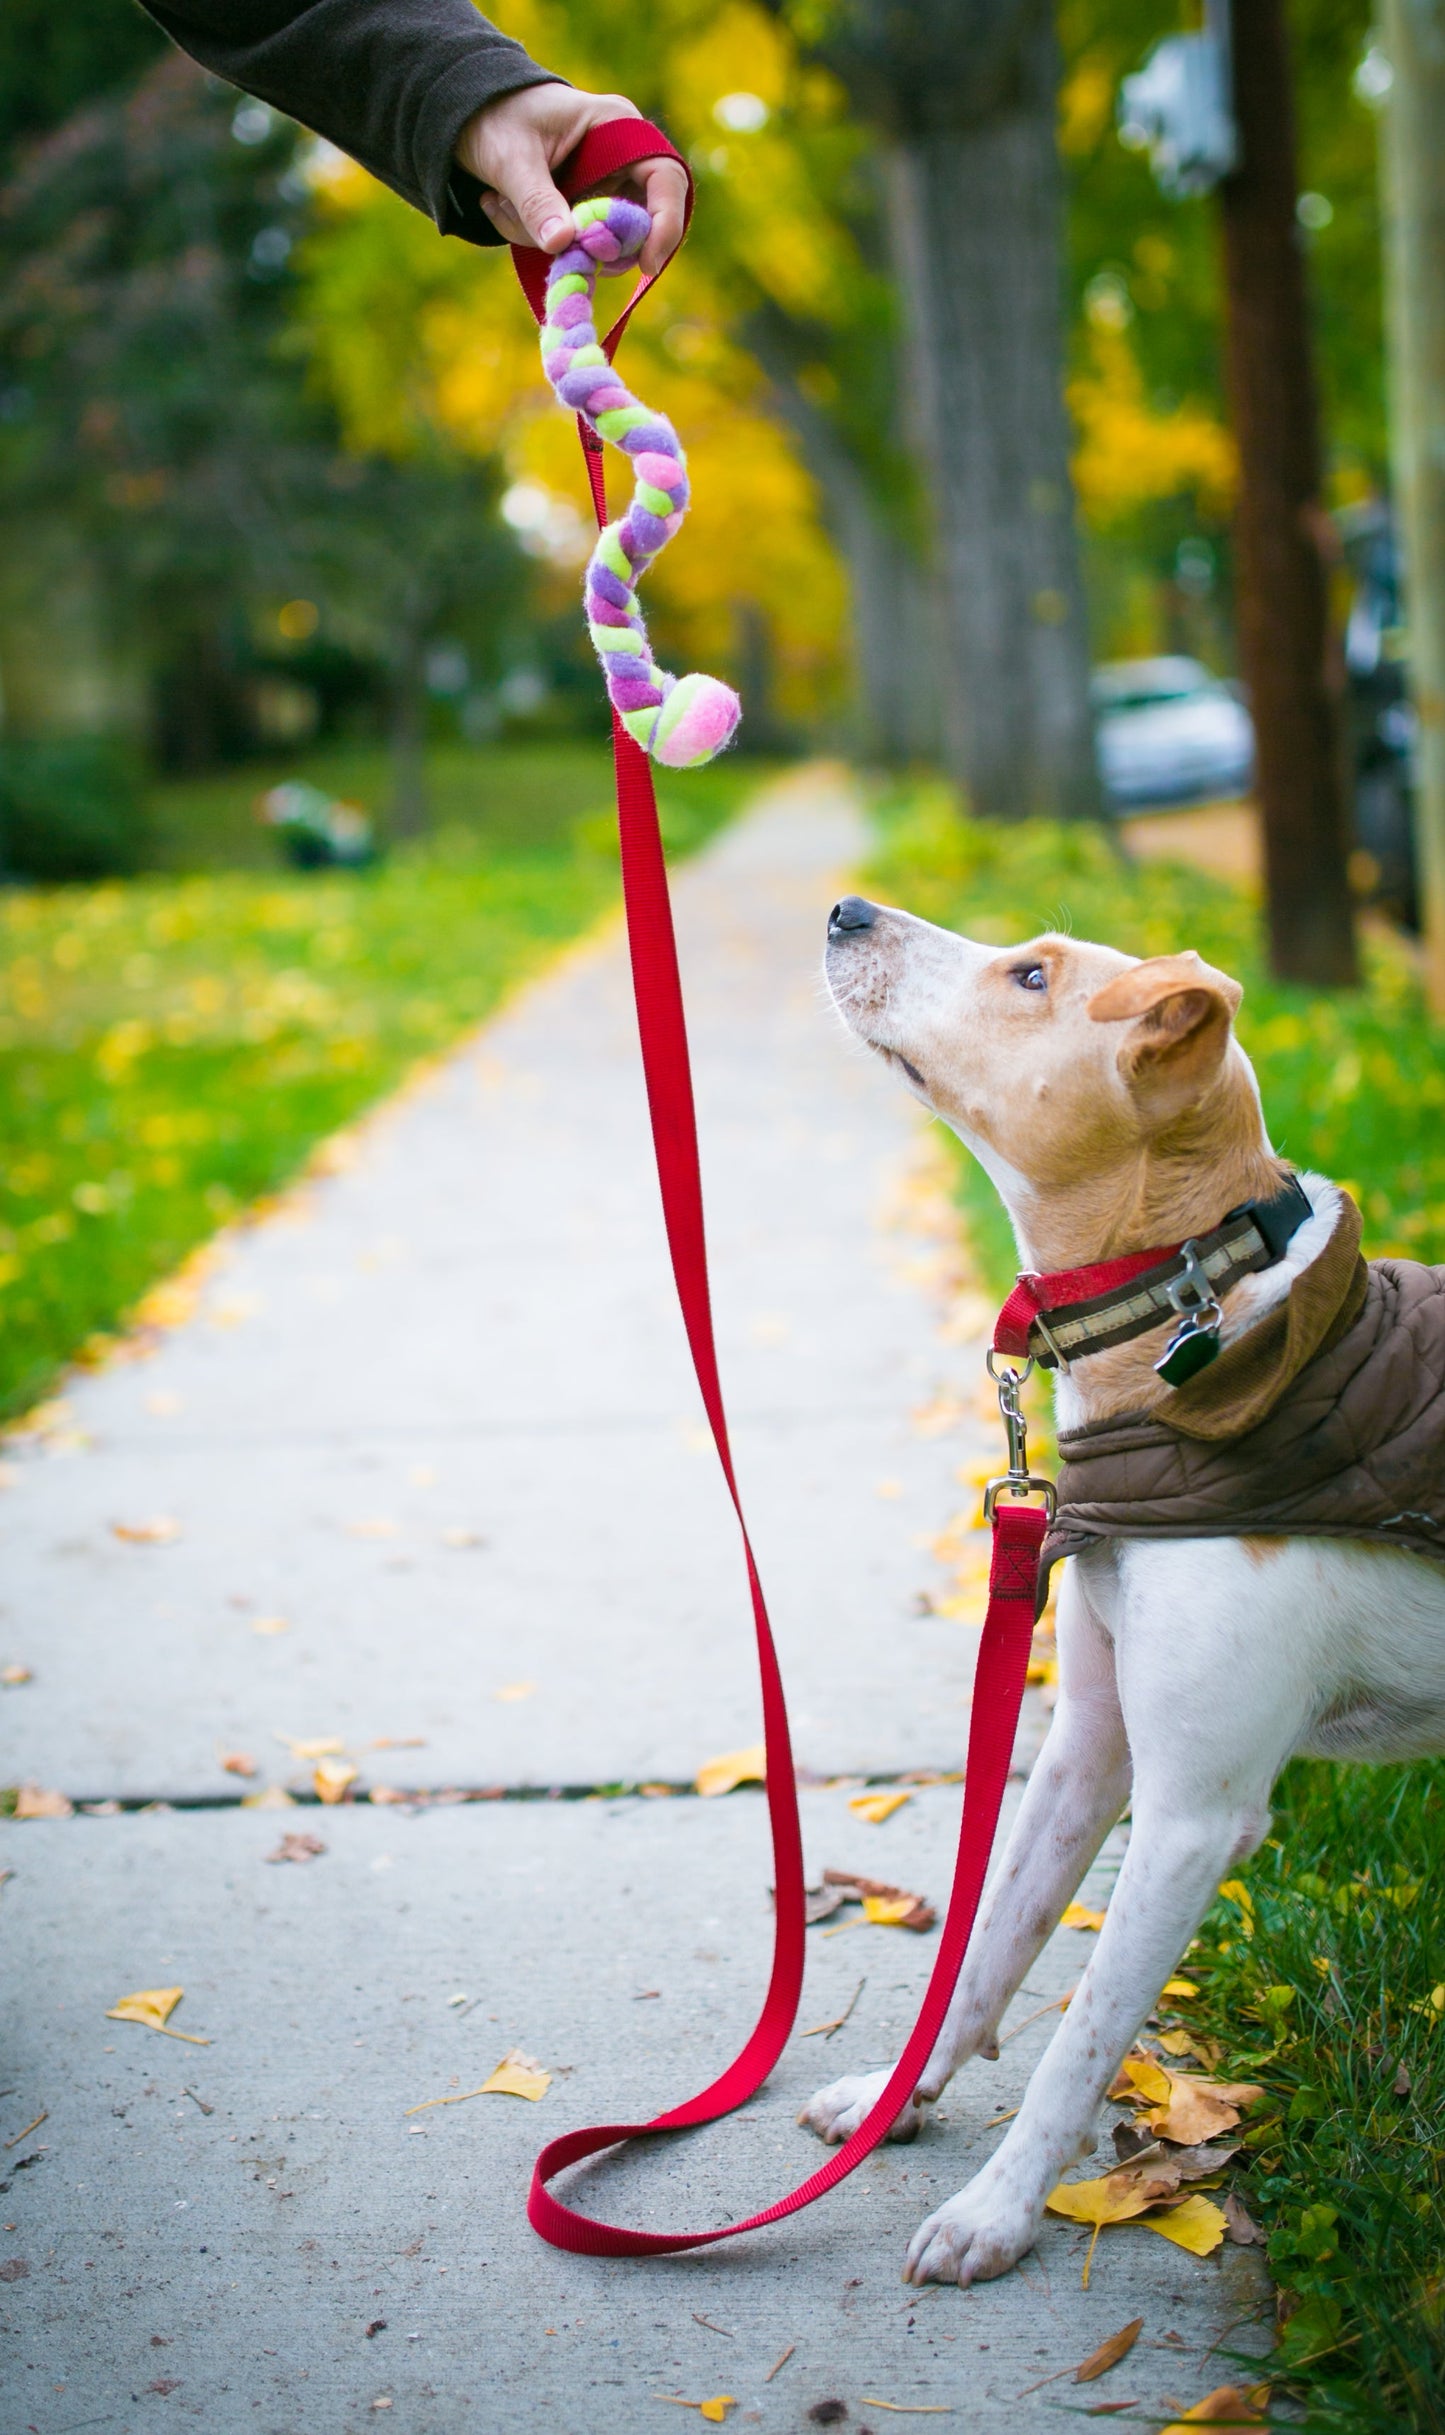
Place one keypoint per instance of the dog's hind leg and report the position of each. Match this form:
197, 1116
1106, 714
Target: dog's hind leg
1076, 1791
1211, 1714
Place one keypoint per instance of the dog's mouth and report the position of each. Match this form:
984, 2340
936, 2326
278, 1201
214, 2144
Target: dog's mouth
895, 1056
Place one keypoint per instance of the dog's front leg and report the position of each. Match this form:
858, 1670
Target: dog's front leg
1079, 1784
1175, 1861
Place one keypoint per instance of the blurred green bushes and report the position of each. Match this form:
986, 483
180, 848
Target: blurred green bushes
172, 1047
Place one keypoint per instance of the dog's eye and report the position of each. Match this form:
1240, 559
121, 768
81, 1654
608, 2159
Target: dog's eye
1031, 976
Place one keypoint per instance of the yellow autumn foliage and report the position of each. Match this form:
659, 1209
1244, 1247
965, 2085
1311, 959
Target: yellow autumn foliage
1130, 453
416, 341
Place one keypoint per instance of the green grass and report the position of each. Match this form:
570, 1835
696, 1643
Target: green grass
1328, 1976
172, 1047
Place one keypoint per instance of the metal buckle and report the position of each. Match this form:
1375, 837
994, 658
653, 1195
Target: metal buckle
1018, 1481
1195, 1342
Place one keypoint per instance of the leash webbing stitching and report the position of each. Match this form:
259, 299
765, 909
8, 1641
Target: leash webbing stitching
1018, 1528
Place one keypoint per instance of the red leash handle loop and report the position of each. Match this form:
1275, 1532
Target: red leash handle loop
1018, 1529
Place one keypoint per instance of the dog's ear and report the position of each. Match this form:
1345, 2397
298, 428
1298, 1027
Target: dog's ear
1179, 1010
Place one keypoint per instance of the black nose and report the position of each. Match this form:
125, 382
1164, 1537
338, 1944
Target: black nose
851, 913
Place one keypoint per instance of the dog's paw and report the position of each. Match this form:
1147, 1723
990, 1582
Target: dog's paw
982, 2232
836, 2111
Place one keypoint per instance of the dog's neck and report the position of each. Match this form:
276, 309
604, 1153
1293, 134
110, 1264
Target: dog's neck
1165, 1190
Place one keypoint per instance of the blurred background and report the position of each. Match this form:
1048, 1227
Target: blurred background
1032, 366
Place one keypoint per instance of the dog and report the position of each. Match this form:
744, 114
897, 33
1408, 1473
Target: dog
1113, 1108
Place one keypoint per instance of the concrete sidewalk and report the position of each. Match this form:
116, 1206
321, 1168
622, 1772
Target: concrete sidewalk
436, 1416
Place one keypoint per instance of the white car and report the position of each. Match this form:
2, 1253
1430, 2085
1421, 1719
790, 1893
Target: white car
1169, 732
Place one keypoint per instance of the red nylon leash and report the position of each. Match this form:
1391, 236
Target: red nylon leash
1018, 1528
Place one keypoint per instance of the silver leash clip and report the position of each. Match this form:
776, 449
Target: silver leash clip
1195, 1342
1018, 1481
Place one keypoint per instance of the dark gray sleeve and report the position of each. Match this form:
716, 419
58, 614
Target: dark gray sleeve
392, 82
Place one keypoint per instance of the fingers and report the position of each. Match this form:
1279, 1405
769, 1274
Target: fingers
523, 184
664, 191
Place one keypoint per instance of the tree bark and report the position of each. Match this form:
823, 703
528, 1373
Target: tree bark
1282, 602
963, 94
894, 600
1414, 160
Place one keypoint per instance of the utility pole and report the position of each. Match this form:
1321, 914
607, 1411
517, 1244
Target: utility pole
1282, 579
1414, 183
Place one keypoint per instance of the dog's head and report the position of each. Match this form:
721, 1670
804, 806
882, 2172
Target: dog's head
1057, 1061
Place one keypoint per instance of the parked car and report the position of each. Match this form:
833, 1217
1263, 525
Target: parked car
1169, 732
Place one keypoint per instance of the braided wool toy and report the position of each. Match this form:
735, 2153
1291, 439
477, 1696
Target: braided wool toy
680, 721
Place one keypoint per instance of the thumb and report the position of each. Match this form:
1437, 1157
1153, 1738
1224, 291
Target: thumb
527, 185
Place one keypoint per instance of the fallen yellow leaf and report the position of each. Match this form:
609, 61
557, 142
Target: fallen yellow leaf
326, 1746
381, 1528
1196, 2224
1142, 2078
34, 1801
876, 1806
151, 2008
158, 1532
1228, 2405
518, 2075
1042, 1670
1180, 2042
1237, 1892
1080, 1915
717, 2409
13, 1676
1183, 1988
1114, 2198
272, 1798
269, 1625
237, 1762
511, 1691
889, 1911
330, 1778
734, 1767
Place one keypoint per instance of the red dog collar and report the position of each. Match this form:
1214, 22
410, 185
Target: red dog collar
1057, 1318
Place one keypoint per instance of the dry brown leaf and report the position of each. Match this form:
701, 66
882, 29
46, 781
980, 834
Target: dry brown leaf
457, 1535
325, 1746
732, 1768
298, 1848
388, 1796
875, 1807
331, 1779
919, 1916
158, 1532
1239, 2224
13, 1676
151, 2008
1109, 2353
237, 1762
35, 1801
518, 2075
1228, 2405
1199, 2109
1082, 1915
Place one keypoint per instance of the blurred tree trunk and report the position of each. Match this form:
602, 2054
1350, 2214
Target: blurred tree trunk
1415, 190
962, 94
1282, 587
893, 596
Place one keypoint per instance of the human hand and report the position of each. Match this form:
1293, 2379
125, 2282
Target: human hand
512, 145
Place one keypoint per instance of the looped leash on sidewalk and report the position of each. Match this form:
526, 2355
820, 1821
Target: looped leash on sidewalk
1018, 1526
